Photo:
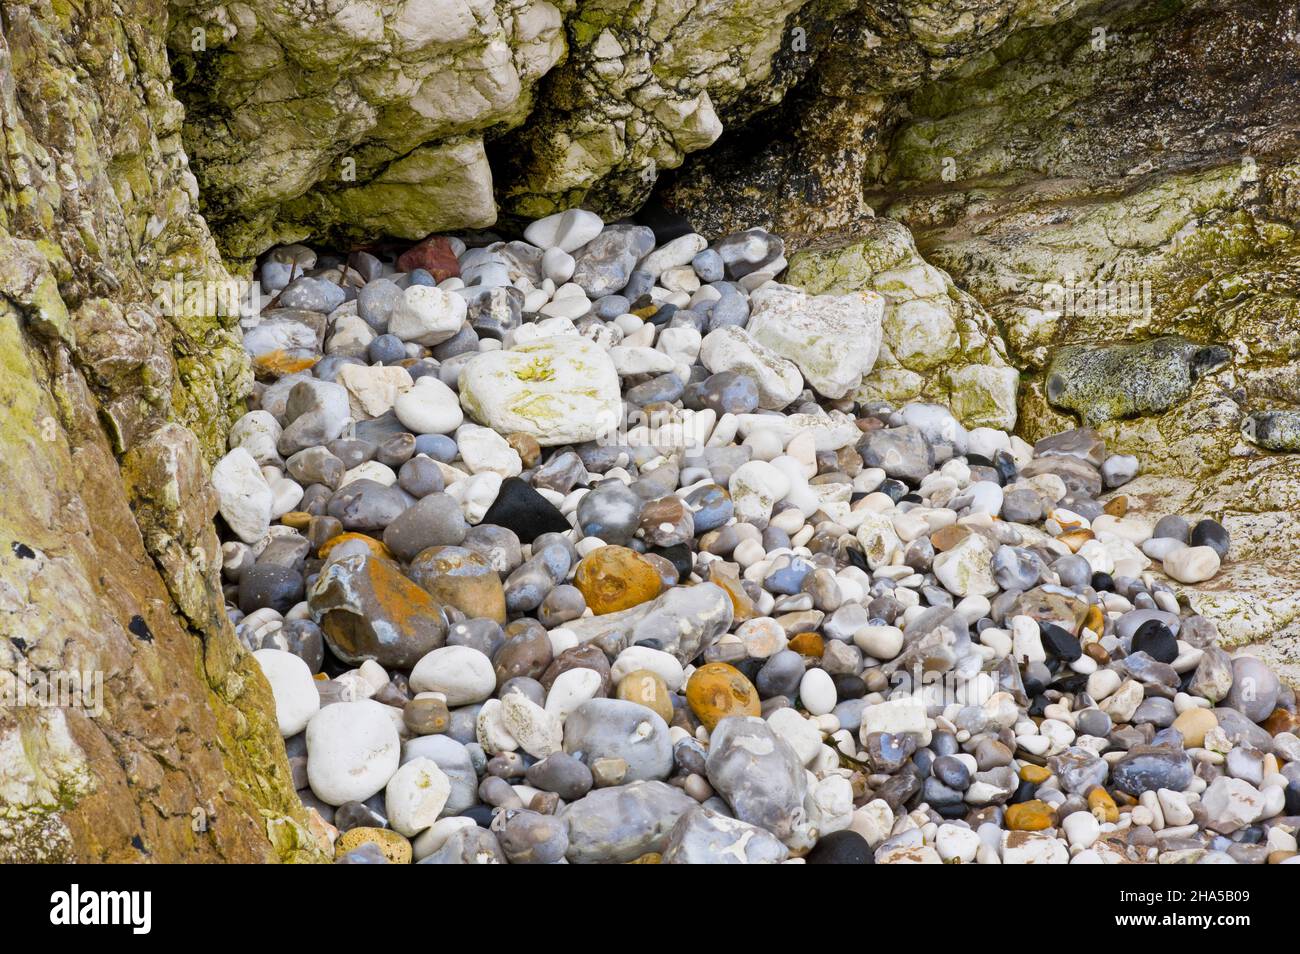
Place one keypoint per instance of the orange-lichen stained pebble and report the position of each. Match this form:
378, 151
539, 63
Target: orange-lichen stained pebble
1102, 806
377, 547
281, 362
461, 578
297, 519
716, 691
526, 446
1280, 721
647, 689
808, 644
615, 578
1034, 774
1033, 815
1074, 539
742, 607
948, 537
395, 848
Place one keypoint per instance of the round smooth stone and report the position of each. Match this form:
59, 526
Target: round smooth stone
817, 691
648, 689
1210, 533
440, 447
426, 715
1255, 689
1192, 564
615, 578
561, 773
841, 848
463, 675
352, 751
667, 521
292, 688
717, 690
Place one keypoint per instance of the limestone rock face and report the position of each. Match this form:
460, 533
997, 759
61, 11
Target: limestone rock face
643, 86
839, 85
1143, 266
166, 748
359, 118
937, 342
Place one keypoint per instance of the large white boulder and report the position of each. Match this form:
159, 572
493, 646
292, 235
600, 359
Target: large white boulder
559, 390
834, 339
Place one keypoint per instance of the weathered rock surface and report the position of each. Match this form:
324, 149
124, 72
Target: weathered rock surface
114, 392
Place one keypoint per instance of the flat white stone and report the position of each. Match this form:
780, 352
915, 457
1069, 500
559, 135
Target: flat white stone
352, 751
244, 496
834, 339
292, 687
559, 390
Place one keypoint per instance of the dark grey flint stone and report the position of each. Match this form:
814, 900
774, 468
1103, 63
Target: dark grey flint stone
623, 822
758, 774
618, 729
1146, 769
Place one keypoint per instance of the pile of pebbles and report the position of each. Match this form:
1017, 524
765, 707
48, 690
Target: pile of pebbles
579, 548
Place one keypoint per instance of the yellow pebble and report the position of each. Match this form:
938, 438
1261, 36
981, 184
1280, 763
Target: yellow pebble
1193, 724
395, 848
1102, 806
1033, 815
646, 688
615, 578
1034, 774
717, 690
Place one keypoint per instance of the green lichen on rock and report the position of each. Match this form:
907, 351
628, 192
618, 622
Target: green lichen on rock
1068, 167
357, 119
938, 344
800, 161
113, 400
1139, 379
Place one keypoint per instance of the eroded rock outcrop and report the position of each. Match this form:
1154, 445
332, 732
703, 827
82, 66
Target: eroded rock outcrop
133, 727
354, 118
1137, 244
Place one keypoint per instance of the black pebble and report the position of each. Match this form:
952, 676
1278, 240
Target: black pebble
1210, 533
267, 584
679, 556
842, 848
1155, 639
665, 224
1006, 466
1102, 582
520, 508
895, 490
848, 686
482, 815
1059, 643
1025, 792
